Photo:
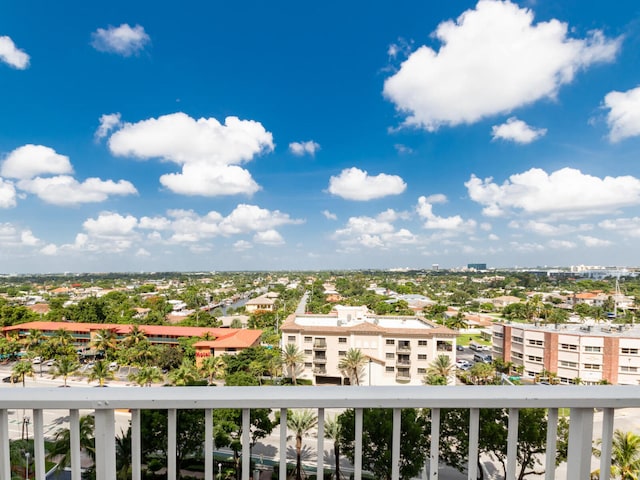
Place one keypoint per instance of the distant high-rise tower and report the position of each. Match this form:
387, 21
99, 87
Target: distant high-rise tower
477, 266
435, 266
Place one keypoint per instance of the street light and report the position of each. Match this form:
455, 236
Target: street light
27, 455
220, 470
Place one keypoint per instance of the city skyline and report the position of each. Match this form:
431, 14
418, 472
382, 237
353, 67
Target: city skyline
140, 137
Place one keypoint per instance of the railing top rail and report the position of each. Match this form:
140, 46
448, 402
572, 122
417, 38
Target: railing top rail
325, 397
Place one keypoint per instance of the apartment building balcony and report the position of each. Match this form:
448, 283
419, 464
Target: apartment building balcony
320, 345
321, 360
103, 403
403, 347
403, 360
320, 371
444, 346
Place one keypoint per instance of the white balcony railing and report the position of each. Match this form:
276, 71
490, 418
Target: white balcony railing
581, 400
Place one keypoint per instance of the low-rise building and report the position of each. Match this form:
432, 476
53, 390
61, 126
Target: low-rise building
398, 349
587, 354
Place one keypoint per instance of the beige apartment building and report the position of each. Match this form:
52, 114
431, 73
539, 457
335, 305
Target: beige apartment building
590, 353
398, 349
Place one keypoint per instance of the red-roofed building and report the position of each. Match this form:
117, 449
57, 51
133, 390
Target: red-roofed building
223, 340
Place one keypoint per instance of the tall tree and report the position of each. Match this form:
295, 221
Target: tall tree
333, 432
212, 368
60, 449
184, 375
22, 369
300, 422
104, 341
146, 376
442, 369
625, 455
63, 367
100, 373
292, 358
352, 365
377, 440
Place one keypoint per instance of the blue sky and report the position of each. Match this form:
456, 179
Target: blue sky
138, 136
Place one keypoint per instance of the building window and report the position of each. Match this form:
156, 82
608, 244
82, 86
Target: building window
629, 351
389, 369
422, 356
592, 349
390, 341
342, 353
342, 339
291, 339
308, 352
308, 339
308, 365
591, 366
535, 342
516, 355
390, 355
533, 358
422, 371
568, 346
564, 363
422, 343
517, 339
628, 369
498, 334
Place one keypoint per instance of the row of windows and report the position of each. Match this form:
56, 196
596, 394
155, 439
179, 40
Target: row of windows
388, 341
564, 363
533, 358
535, 342
629, 351
628, 369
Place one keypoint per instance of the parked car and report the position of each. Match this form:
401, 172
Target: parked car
460, 348
482, 357
36, 360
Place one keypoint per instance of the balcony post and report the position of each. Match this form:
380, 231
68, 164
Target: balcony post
136, 445
320, 448
512, 443
552, 441
38, 444
357, 464
435, 444
607, 441
580, 443
283, 443
474, 429
74, 438
105, 444
395, 444
208, 444
172, 447
5, 465
246, 443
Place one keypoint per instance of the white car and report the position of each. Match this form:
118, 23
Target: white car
462, 364
37, 360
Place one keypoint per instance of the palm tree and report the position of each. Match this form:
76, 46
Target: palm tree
146, 376
104, 341
63, 367
62, 338
625, 455
100, 372
135, 337
457, 322
60, 450
441, 367
300, 422
352, 365
332, 432
212, 368
292, 358
22, 369
185, 374
33, 339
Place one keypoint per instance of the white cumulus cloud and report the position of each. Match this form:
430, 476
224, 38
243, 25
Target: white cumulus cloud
29, 161
329, 216
492, 59
373, 232
110, 224
565, 191
590, 241
123, 40
208, 151
7, 194
434, 222
629, 227
516, 131
108, 122
356, 184
624, 114
268, 237
12, 55
304, 148
64, 190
